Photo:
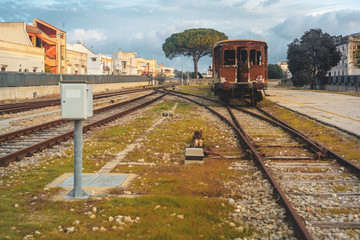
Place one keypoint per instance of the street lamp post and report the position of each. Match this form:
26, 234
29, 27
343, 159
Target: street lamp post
61, 35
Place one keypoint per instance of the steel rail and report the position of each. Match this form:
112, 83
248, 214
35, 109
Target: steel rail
299, 227
331, 154
25, 106
18, 155
314, 145
32, 129
298, 223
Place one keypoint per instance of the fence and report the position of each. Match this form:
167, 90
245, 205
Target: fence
343, 83
9, 79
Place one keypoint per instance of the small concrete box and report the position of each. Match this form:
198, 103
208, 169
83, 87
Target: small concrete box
76, 100
194, 155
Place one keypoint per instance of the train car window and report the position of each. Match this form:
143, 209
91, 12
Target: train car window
252, 57
258, 58
255, 57
229, 57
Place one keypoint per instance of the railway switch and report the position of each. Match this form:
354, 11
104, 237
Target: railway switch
195, 153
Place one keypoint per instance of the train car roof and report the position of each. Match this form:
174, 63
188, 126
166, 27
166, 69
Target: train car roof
239, 40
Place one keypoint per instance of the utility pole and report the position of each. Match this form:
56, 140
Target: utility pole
113, 72
60, 70
182, 73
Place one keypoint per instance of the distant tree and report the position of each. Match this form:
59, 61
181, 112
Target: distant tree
275, 72
194, 43
312, 57
300, 79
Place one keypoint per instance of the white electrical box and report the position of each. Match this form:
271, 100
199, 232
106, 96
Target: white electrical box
76, 100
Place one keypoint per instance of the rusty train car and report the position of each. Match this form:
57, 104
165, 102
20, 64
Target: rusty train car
240, 70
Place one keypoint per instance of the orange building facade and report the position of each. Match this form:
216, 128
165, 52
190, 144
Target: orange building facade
53, 40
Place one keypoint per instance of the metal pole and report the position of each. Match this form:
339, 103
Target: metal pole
60, 62
77, 191
182, 73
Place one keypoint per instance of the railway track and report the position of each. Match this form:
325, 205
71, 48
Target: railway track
319, 190
30, 105
25, 142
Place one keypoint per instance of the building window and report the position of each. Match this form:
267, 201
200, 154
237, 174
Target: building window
93, 59
3, 69
123, 64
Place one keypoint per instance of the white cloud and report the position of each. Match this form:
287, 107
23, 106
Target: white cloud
143, 25
257, 30
138, 36
89, 35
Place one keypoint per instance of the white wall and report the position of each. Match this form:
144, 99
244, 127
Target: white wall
20, 58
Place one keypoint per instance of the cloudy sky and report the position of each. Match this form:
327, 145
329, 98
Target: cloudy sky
143, 25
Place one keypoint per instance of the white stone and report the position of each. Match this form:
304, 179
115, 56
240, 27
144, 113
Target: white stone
70, 229
76, 222
92, 216
94, 229
180, 216
111, 219
128, 219
102, 229
94, 209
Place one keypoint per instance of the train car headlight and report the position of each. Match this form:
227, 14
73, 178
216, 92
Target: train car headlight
226, 85
259, 85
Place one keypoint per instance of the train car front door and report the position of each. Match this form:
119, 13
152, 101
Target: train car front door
242, 64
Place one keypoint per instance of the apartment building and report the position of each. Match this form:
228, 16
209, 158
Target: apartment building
52, 40
17, 52
285, 68
76, 62
94, 61
347, 46
165, 71
42, 47
126, 63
